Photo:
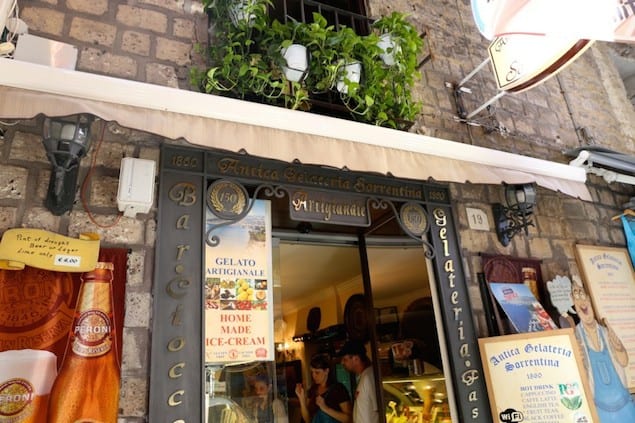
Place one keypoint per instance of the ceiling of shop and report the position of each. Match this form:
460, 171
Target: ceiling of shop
305, 270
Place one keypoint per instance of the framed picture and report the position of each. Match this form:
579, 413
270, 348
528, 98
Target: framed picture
537, 377
609, 280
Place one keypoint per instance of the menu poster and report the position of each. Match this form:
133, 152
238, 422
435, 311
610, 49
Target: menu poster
238, 288
610, 281
521, 307
536, 377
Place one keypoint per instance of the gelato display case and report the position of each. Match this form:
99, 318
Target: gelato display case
416, 399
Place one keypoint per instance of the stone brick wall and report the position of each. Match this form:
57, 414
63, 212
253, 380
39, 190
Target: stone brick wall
149, 40
24, 178
154, 41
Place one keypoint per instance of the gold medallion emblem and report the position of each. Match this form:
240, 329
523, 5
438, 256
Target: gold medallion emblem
414, 218
227, 199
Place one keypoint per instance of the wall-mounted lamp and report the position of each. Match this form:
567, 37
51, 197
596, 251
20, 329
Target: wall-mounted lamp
516, 216
66, 141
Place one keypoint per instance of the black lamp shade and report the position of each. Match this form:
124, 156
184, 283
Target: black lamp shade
66, 141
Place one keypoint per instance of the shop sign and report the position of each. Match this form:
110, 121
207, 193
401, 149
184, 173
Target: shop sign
175, 395
189, 232
239, 288
537, 377
48, 250
461, 339
242, 168
522, 61
570, 19
328, 207
609, 278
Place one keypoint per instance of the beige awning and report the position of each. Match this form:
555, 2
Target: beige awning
27, 89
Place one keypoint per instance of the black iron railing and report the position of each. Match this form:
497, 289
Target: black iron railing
302, 10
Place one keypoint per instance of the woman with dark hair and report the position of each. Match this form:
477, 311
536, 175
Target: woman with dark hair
326, 401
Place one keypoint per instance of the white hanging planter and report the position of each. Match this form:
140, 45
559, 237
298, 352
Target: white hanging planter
238, 12
389, 48
297, 59
351, 71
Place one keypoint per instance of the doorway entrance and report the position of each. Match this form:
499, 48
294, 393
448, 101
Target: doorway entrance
376, 221
399, 326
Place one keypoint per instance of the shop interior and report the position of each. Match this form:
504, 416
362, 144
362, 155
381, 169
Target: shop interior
319, 304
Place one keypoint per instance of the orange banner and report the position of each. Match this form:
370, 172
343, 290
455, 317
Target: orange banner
48, 322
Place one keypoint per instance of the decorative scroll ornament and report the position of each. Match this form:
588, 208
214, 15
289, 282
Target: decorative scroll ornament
229, 201
412, 218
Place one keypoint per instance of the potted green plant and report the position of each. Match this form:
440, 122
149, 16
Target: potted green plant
239, 68
392, 84
247, 61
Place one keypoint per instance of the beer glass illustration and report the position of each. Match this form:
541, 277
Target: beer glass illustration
26, 378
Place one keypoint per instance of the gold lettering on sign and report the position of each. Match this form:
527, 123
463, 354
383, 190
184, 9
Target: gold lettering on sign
177, 284
475, 409
172, 399
440, 218
183, 222
183, 194
234, 167
176, 315
299, 201
174, 372
437, 195
449, 266
470, 376
184, 161
176, 344
302, 202
181, 249
404, 191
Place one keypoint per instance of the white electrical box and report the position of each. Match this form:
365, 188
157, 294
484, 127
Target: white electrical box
136, 186
43, 51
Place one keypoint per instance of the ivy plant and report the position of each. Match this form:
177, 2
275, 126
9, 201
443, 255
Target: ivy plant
246, 62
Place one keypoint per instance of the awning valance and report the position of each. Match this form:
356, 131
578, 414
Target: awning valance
28, 89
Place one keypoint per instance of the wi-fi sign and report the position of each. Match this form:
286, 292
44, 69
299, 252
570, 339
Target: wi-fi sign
511, 416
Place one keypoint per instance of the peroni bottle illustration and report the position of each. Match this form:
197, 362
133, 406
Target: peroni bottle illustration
87, 386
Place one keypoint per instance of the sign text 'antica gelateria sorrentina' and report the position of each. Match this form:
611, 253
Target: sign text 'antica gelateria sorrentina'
323, 178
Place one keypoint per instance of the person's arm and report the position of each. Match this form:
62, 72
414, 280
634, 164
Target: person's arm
617, 348
338, 397
304, 410
343, 416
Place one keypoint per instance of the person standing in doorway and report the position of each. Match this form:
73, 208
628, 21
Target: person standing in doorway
355, 360
326, 401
